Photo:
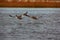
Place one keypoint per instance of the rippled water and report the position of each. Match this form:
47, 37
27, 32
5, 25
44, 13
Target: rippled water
47, 27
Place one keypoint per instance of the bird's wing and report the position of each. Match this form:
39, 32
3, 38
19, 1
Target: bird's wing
25, 13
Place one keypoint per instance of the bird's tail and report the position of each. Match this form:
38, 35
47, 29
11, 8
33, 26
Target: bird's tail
10, 15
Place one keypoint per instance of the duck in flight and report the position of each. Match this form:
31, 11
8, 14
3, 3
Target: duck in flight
33, 17
18, 17
25, 14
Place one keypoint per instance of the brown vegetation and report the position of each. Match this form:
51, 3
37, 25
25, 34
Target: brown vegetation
30, 4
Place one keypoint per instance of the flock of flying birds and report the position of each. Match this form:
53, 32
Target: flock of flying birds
25, 14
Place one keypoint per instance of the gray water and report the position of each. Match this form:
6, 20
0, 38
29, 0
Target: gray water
47, 27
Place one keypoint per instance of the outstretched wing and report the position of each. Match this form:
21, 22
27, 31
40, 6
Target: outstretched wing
25, 13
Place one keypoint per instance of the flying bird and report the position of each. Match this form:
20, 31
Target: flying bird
33, 17
25, 14
19, 17
16, 16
